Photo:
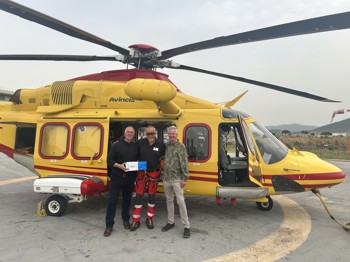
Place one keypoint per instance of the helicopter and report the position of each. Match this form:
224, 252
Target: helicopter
63, 131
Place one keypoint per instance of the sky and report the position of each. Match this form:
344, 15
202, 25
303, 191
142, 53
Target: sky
316, 63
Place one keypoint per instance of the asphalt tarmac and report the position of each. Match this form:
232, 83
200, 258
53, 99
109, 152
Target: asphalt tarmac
296, 229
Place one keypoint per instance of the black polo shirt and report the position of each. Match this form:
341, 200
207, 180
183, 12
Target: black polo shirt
151, 153
121, 152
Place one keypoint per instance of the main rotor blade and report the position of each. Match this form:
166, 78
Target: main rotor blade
58, 57
309, 26
257, 83
37, 17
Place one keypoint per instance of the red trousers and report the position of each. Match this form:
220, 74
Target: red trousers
145, 181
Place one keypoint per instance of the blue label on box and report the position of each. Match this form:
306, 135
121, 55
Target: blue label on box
142, 165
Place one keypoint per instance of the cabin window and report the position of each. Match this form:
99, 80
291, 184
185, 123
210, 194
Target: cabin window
54, 140
197, 142
87, 141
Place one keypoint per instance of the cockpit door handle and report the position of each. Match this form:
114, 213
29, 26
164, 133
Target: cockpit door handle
290, 169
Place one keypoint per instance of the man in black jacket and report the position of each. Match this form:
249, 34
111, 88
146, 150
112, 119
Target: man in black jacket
125, 150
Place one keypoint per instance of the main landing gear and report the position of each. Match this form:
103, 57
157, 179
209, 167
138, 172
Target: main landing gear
265, 206
56, 205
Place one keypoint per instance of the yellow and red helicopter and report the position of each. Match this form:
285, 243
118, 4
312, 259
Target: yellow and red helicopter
62, 131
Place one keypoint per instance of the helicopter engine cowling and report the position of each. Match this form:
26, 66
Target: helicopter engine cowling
159, 91
150, 89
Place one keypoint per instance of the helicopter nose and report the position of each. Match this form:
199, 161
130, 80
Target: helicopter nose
332, 179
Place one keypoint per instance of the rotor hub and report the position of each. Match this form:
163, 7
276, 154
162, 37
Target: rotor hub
142, 50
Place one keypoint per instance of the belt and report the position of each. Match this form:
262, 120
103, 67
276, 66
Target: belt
123, 175
153, 170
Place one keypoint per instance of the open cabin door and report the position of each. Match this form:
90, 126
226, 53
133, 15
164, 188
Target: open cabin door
272, 164
255, 174
24, 135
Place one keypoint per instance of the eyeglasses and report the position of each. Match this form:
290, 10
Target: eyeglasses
150, 134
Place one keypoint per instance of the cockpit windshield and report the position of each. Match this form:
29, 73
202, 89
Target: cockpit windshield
271, 149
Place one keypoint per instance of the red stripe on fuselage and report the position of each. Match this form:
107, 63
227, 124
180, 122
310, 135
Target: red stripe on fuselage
204, 179
318, 176
6, 150
70, 171
204, 173
97, 168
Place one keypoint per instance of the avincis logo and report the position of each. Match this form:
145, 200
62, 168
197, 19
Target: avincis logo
121, 99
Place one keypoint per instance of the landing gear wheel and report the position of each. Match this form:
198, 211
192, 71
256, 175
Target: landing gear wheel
265, 206
56, 205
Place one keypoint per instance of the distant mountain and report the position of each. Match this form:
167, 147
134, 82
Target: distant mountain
337, 127
294, 128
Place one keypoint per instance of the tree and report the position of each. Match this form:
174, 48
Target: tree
326, 134
285, 132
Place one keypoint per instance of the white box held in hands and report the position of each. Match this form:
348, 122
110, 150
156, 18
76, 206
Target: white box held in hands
135, 166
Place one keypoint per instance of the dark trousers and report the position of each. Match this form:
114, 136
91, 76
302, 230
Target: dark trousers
119, 183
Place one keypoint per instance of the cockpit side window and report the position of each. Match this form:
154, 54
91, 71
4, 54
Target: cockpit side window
271, 149
248, 138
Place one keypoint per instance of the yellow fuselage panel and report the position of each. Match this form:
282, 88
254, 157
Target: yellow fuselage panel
84, 94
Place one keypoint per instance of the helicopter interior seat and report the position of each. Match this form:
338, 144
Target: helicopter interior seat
228, 171
224, 159
239, 163
231, 163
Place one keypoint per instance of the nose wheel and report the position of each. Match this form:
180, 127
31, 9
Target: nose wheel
265, 206
56, 205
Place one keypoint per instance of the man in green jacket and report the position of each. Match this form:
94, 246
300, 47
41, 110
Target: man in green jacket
174, 176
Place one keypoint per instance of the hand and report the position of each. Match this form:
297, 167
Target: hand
121, 166
182, 184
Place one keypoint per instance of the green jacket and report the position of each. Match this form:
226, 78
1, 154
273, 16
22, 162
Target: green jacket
175, 162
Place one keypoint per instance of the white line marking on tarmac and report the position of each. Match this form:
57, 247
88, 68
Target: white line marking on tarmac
294, 230
16, 180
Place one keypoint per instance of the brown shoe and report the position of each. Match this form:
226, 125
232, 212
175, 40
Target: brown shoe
135, 225
108, 231
126, 225
149, 223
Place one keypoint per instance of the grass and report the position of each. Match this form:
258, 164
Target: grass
337, 147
